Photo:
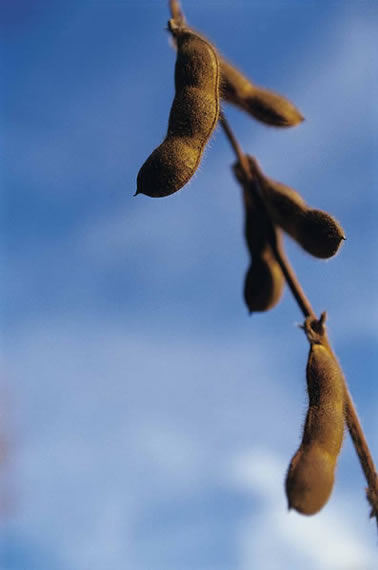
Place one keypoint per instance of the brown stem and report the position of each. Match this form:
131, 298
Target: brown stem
242, 159
292, 281
352, 420
176, 12
362, 449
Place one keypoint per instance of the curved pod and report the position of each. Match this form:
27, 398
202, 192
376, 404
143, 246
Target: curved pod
310, 476
193, 116
316, 231
264, 281
262, 104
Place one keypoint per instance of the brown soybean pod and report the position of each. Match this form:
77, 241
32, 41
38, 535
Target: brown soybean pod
264, 281
317, 232
310, 476
193, 116
264, 105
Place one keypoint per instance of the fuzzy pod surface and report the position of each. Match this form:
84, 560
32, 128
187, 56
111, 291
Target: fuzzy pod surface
192, 120
264, 281
311, 472
316, 231
262, 104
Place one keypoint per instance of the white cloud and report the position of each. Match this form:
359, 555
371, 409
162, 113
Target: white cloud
331, 540
112, 426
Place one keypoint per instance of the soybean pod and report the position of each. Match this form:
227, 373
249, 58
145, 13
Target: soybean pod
264, 281
316, 231
193, 116
311, 473
262, 104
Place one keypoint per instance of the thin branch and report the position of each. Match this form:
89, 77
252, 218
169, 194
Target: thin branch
292, 281
176, 12
363, 452
242, 159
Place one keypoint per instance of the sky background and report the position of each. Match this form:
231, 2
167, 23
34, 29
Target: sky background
146, 421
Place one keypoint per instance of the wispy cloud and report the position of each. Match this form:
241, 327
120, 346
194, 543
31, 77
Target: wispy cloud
331, 540
114, 426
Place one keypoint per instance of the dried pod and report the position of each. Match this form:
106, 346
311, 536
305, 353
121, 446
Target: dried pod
310, 480
372, 498
193, 116
264, 105
317, 232
264, 281
310, 476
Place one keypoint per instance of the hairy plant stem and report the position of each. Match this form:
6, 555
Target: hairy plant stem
352, 420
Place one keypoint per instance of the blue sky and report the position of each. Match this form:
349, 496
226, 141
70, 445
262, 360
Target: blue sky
148, 420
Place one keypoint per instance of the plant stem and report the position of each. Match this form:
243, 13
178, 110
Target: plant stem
176, 12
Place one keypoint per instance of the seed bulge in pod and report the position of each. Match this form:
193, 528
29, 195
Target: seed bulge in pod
262, 104
317, 232
320, 234
193, 117
309, 480
310, 476
264, 281
264, 284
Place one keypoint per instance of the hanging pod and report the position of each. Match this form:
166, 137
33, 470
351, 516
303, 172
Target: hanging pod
316, 231
311, 473
264, 281
262, 104
193, 116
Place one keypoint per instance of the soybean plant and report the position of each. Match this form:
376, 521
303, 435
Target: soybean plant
202, 79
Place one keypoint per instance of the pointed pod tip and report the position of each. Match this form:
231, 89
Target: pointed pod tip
297, 120
323, 318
